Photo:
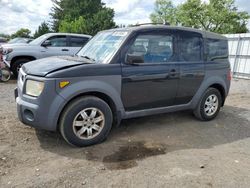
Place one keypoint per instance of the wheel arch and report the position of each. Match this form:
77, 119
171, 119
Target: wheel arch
14, 59
215, 82
101, 95
222, 91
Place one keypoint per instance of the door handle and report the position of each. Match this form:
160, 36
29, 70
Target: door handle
65, 50
172, 72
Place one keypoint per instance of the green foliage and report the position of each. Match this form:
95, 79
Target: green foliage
22, 33
76, 26
164, 12
221, 16
42, 29
81, 16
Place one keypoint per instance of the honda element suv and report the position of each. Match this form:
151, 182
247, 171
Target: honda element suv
125, 73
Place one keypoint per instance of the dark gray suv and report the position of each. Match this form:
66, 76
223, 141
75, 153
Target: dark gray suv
121, 74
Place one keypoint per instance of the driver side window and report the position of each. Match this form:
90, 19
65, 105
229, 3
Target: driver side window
58, 41
153, 48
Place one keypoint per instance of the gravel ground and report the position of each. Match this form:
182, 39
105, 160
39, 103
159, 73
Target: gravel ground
169, 150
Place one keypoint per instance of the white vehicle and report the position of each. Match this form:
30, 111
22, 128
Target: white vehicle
51, 44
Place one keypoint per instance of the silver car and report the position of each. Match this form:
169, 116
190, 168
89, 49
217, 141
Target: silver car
51, 44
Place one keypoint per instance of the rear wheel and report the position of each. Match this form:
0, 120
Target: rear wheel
86, 121
209, 105
18, 64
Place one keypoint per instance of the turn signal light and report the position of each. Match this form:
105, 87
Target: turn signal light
63, 84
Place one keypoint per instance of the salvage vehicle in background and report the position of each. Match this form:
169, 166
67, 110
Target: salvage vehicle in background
3, 41
52, 44
125, 73
19, 40
5, 73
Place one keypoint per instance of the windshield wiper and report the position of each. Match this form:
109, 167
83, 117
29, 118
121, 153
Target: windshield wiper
89, 58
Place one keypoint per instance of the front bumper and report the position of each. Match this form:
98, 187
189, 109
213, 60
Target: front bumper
42, 112
27, 112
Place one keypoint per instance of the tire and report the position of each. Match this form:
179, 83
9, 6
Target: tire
76, 121
206, 111
5, 74
17, 65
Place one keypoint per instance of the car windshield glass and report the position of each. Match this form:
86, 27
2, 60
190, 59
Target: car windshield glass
103, 46
14, 40
38, 40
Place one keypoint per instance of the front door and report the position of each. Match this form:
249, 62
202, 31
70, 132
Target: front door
154, 82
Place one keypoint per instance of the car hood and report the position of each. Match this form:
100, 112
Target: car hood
15, 45
42, 67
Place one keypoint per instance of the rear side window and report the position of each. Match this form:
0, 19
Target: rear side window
153, 48
217, 50
58, 41
190, 48
78, 41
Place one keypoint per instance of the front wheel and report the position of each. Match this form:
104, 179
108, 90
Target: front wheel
86, 121
209, 105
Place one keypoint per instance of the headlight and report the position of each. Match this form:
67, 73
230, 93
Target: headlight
34, 88
6, 51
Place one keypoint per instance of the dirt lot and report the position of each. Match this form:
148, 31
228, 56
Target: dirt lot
169, 150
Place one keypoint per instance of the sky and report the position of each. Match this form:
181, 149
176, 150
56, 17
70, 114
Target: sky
16, 14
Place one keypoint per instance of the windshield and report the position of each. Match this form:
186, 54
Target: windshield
103, 46
39, 40
14, 40
18, 40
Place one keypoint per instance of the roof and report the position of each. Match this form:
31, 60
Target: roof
70, 34
205, 34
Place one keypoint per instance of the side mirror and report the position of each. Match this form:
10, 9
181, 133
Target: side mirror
134, 59
46, 43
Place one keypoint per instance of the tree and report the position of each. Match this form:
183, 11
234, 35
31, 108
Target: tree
22, 33
221, 16
42, 29
92, 13
164, 12
76, 26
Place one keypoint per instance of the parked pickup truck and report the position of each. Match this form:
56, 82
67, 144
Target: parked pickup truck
52, 44
125, 73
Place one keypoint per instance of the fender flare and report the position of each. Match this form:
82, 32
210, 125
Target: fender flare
205, 85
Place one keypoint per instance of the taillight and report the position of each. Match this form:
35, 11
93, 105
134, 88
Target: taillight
229, 75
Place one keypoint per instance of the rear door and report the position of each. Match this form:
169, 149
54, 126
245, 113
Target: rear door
76, 43
59, 46
154, 82
190, 45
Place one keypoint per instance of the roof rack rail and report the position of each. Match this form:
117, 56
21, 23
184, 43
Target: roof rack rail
166, 23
